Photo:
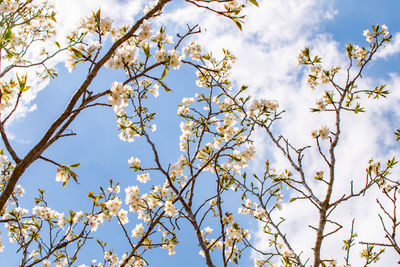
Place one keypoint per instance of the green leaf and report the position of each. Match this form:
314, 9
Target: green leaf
53, 18
397, 133
77, 53
317, 59
166, 88
349, 50
8, 34
74, 176
76, 165
254, 2
65, 183
238, 24
243, 88
97, 17
164, 73
392, 162
25, 88
358, 109
22, 83
146, 50
206, 56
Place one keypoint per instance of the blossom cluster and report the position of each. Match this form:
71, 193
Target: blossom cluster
6, 168
239, 159
253, 209
118, 98
162, 37
187, 131
233, 6
94, 23
9, 95
22, 226
128, 129
259, 107
175, 60
177, 169
322, 132
193, 50
17, 34
184, 106
215, 70
25, 24
126, 55
62, 175
234, 235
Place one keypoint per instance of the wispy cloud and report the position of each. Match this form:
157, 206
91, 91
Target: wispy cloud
392, 48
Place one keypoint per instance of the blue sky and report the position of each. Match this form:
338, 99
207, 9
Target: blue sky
103, 155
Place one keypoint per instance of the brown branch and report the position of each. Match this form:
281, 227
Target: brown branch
9, 148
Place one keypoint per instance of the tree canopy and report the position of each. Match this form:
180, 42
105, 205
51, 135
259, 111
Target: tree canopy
149, 142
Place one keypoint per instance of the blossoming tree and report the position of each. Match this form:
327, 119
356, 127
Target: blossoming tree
216, 144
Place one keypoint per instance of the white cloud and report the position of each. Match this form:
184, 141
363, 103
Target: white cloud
390, 49
70, 12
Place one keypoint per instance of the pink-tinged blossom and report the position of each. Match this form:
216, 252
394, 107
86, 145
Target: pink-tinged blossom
134, 162
145, 34
20, 190
126, 54
154, 90
92, 220
160, 55
138, 230
114, 189
132, 198
259, 262
368, 35
385, 30
161, 36
233, 6
61, 175
178, 167
143, 178
111, 258
170, 209
46, 263
228, 218
193, 50
113, 205
175, 60
62, 263
170, 246
118, 96
323, 132
213, 202
123, 216
77, 216
7, 6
